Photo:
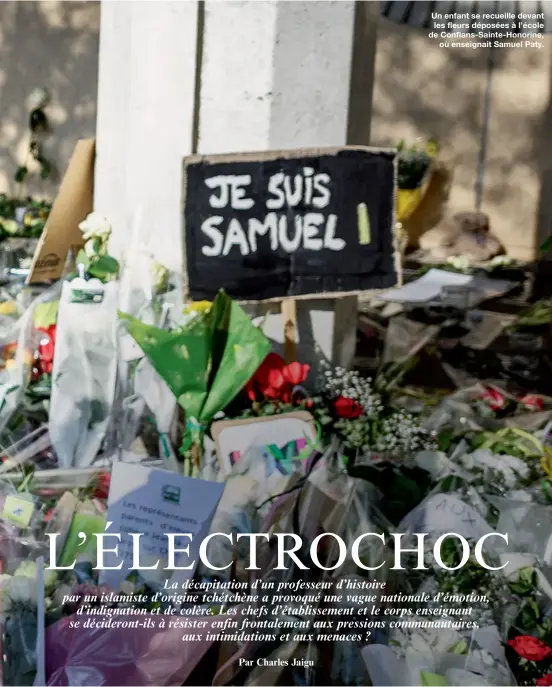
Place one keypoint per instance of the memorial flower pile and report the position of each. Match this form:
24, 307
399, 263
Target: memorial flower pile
140, 380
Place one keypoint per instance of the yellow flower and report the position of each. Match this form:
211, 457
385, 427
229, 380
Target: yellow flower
197, 307
546, 461
8, 308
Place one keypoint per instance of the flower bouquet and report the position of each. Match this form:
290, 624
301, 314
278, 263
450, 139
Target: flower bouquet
86, 348
204, 363
414, 176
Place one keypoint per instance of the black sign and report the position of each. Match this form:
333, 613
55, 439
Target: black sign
290, 224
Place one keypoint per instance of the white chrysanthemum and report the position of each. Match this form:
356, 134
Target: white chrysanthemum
95, 226
508, 469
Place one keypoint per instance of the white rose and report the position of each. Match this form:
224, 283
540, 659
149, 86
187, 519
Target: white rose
95, 226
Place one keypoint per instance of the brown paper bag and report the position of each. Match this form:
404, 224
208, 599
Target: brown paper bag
73, 203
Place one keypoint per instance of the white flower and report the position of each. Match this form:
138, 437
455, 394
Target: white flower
29, 570
499, 260
89, 249
95, 226
508, 469
16, 591
459, 262
37, 99
26, 569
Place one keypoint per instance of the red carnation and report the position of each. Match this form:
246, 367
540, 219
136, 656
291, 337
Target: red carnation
347, 408
530, 648
544, 680
532, 402
494, 398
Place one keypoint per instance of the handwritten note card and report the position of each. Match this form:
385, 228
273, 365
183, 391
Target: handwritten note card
154, 503
443, 513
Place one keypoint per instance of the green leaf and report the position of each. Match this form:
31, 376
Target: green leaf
460, 648
83, 259
45, 314
103, 265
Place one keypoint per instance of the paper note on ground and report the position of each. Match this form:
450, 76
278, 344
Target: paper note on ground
154, 503
426, 288
429, 287
442, 513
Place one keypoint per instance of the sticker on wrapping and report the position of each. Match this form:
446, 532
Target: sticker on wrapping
18, 510
83, 296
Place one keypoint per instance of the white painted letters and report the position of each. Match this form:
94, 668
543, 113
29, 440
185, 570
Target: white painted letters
274, 184
262, 228
311, 227
330, 240
287, 230
290, 245
209, 227
235, 236
231, 191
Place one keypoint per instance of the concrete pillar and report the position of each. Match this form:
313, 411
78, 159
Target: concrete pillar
221, 77
146, 111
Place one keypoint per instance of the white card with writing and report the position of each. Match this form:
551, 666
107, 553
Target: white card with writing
443, 513
153, 503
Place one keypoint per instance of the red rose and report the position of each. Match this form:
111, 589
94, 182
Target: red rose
530, 648
101, 489
532, 402
494, 398
295, 373
347, 408
545, 680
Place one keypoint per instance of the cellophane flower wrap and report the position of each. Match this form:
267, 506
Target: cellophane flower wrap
204, 363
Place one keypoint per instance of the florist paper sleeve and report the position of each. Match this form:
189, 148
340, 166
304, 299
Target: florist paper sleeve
73, 203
